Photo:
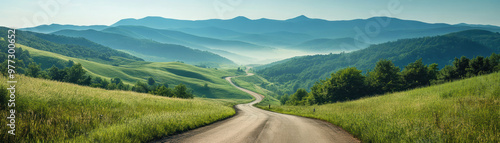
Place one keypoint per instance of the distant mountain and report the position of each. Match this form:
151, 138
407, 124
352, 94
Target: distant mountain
383, 28
268, 40
302, 72
148, 49
176, 37
56, 27
324, 45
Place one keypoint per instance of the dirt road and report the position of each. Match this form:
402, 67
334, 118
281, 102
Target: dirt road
252, 124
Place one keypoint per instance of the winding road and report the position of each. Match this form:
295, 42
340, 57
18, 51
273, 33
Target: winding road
251, 124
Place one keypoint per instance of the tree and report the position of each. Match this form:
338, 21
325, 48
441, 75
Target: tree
163, 91
104, 83
181, 91
416, 74
345, 84
461, 65
298, 97
75, 73
151, 81
384, 77
433, 71
319, 92
56, 74
33, 69
116, 80
494, 62
448, 73
205, 87
87, 80
284, 99
111, 86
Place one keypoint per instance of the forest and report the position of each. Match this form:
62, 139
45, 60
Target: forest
350, 83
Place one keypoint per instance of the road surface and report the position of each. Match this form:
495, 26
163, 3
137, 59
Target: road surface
251, 124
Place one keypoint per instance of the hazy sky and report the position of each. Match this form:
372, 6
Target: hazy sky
23, 13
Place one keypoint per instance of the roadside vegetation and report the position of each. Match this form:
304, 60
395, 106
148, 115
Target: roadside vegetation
52, 111
466, 110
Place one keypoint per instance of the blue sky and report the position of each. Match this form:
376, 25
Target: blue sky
25, 13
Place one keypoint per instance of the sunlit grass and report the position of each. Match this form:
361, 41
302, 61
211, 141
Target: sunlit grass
462, 111
62, 112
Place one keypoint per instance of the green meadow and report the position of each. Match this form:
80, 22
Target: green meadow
63, 112
462, 111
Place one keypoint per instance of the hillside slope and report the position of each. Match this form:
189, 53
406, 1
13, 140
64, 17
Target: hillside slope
50, 111
171, 73
462, 111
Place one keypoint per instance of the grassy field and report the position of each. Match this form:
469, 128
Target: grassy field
172, 73
62, 112
250, 83
462, 111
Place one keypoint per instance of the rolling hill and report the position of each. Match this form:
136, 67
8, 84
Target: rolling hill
180, 38
72, 47
302, 72
148, 49
172, 73
57, 27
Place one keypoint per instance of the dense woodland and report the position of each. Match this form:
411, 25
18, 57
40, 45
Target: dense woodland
350, 83
303, 72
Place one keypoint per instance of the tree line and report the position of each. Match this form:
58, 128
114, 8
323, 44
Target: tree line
350, 83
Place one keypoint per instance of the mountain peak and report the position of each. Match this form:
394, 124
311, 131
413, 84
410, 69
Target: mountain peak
299, 18
240, 18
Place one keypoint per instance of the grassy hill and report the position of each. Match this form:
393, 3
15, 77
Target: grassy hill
50, 111
71, 47
172, 73
462, 111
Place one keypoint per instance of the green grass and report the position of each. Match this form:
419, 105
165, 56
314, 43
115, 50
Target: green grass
462, 111
50, 111
251, 83
172, 73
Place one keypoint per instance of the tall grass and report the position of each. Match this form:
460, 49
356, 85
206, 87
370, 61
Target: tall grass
49, 111
462, 111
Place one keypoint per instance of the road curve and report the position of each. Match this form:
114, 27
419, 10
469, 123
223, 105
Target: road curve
252, 124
